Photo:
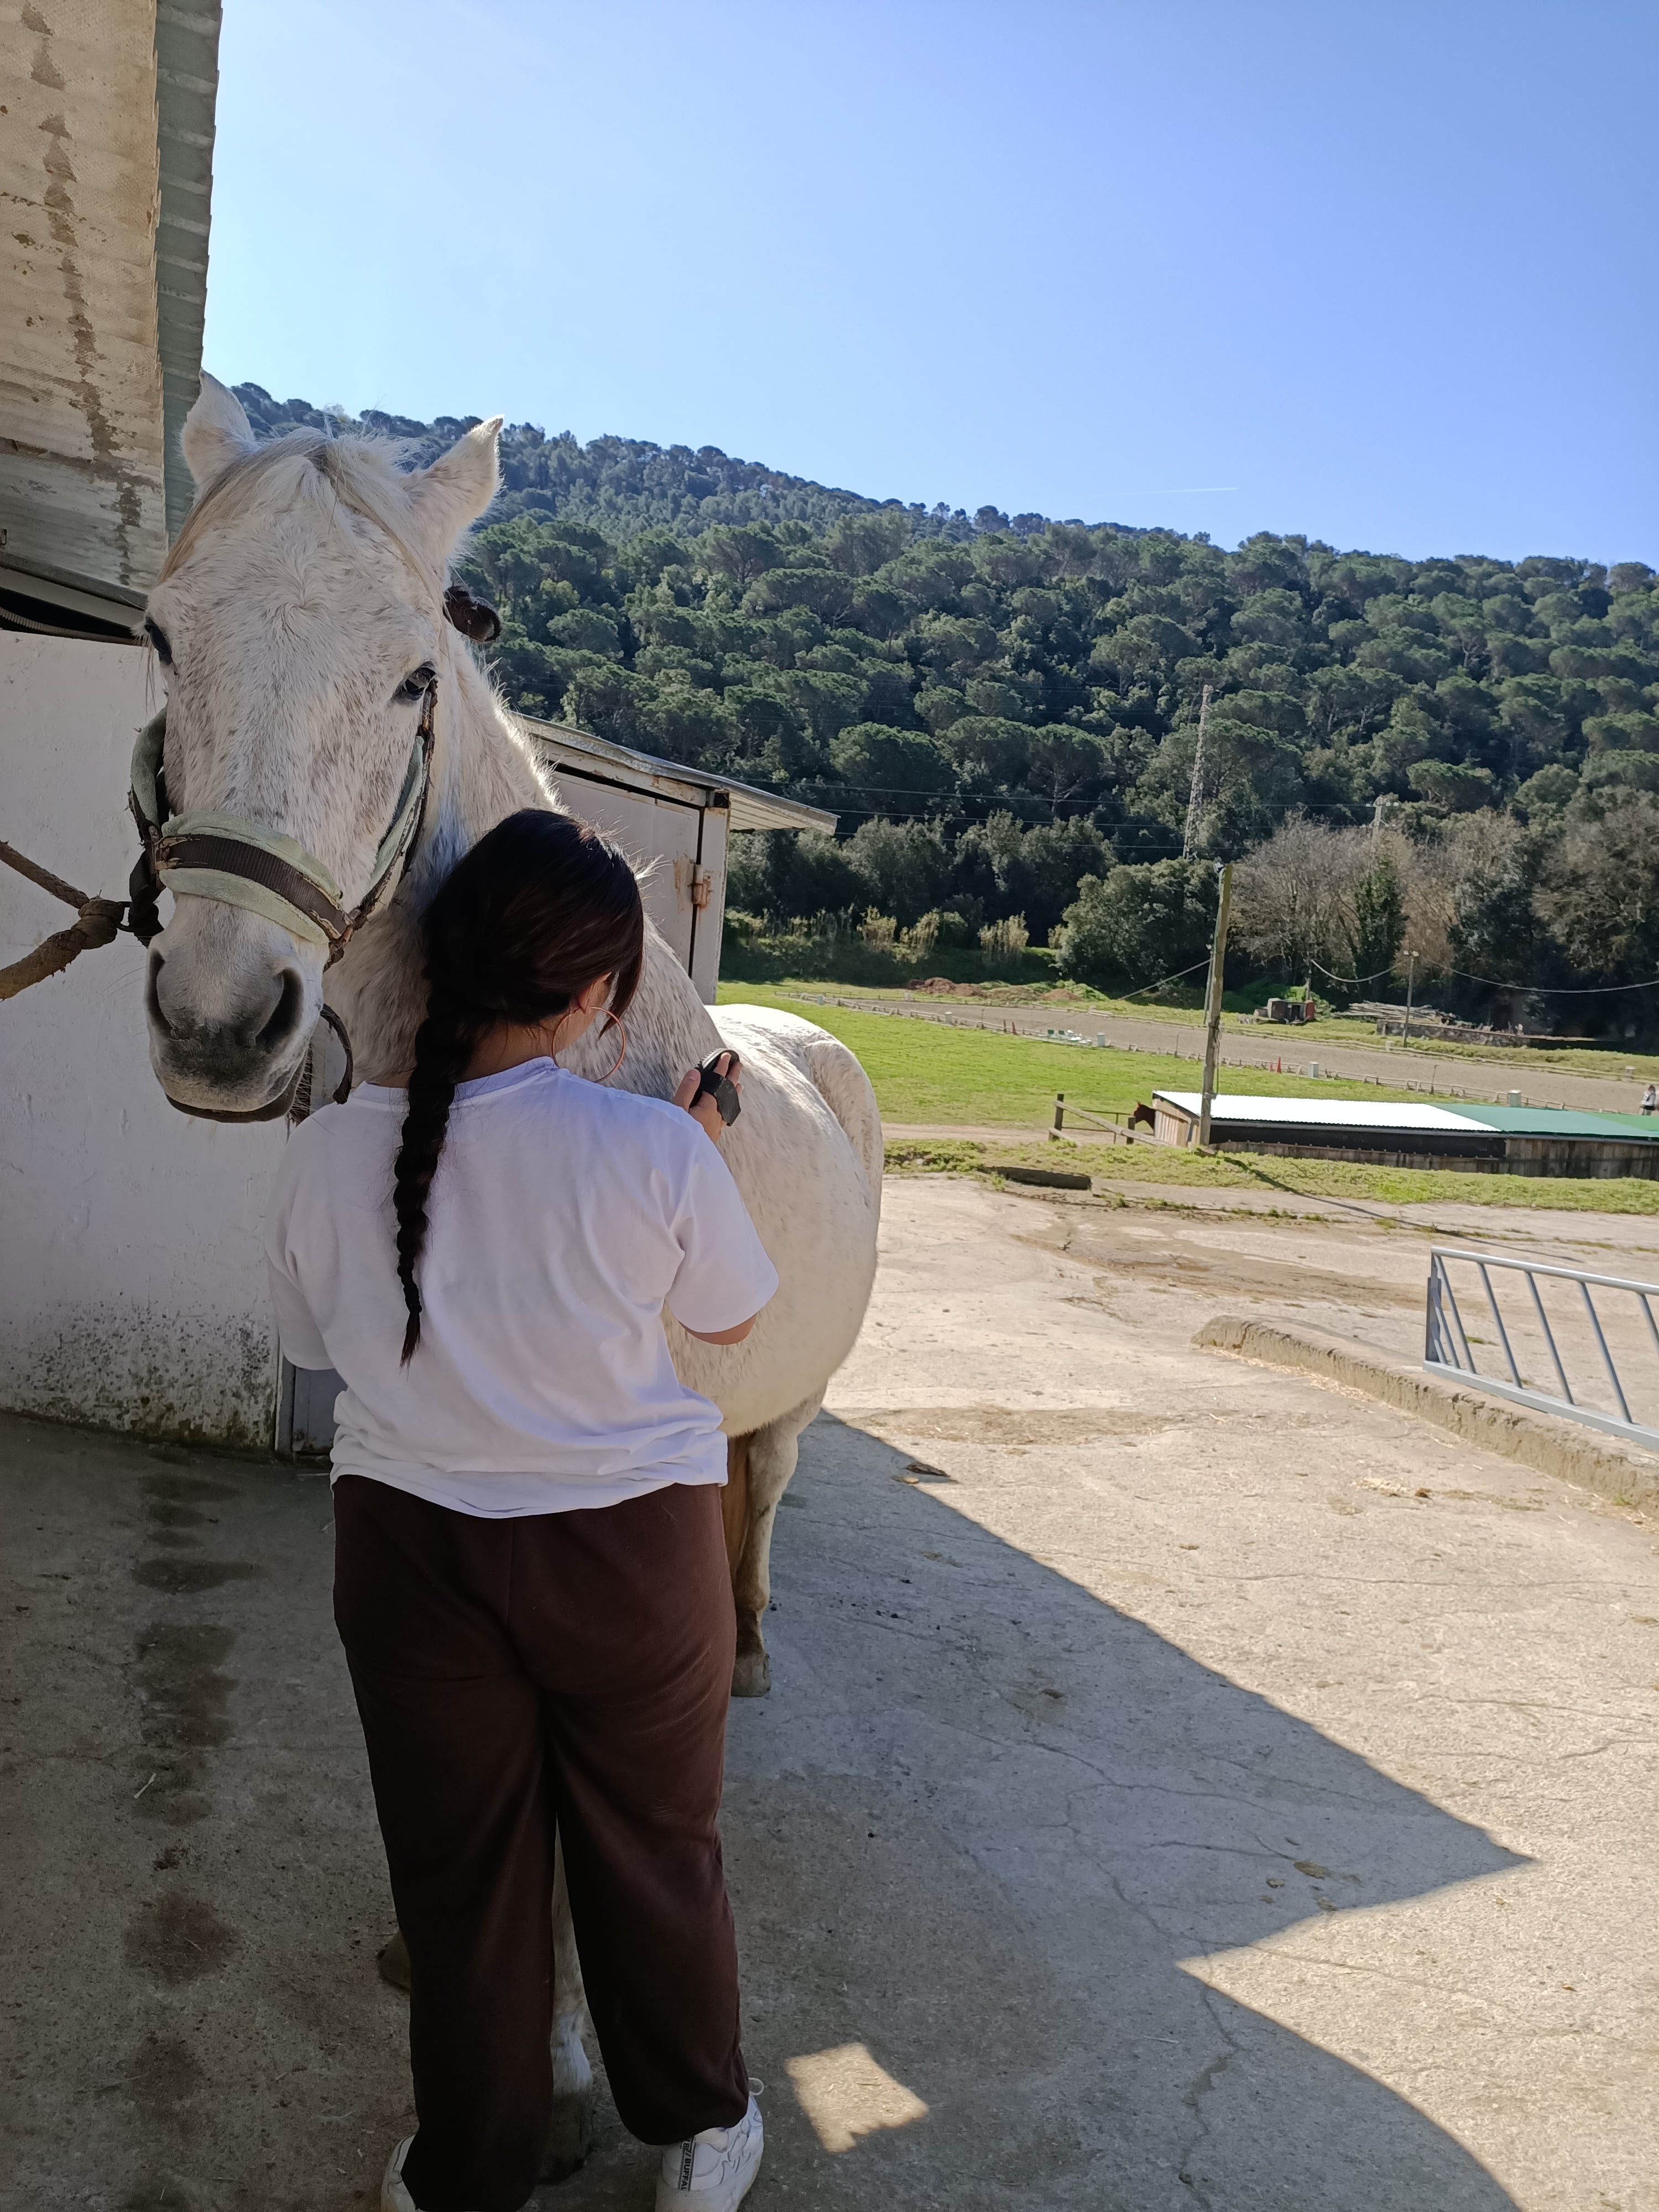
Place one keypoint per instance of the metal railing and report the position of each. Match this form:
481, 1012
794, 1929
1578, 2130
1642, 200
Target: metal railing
1582, 1361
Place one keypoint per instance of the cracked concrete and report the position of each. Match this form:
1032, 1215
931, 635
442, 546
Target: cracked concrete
1157, 1787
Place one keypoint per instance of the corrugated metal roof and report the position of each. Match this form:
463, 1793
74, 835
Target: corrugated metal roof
1359, 1114
1562, 1122
751, 808
1319, 1113
106, 166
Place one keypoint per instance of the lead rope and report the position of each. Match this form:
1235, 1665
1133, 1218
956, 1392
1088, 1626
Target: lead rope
301, 1108
98, 919
99, 922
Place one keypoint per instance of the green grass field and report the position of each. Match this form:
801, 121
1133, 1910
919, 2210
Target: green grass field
927, 1073
931, 1073
1078, 1004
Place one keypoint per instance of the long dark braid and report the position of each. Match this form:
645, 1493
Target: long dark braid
538, 911
444, 1043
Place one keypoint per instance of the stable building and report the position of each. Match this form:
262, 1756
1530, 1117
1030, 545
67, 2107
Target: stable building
1534, 1140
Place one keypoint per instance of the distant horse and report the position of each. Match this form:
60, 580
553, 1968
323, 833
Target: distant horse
1143, 1117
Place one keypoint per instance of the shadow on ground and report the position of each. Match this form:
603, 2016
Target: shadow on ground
980, 1838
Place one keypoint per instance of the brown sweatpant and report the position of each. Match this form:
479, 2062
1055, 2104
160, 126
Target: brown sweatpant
568, 1669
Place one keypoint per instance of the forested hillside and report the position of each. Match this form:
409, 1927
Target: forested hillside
1022, 696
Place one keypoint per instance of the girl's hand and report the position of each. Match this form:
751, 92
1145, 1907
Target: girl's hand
706, 1114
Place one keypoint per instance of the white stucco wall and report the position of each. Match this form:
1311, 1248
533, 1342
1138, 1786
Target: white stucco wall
132, 1286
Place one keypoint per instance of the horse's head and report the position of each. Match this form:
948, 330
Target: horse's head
300, 622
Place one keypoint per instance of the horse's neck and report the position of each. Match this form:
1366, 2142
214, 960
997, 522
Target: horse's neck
485, 773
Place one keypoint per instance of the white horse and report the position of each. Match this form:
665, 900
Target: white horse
299, 618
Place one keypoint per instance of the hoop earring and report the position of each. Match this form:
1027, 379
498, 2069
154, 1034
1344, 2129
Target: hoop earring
613, 1022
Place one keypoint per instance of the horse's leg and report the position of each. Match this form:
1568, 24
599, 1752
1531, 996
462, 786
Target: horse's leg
734, 1502
394, 1962
771, 1456
569, 2137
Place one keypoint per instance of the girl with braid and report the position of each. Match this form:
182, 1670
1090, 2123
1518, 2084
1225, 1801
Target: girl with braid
530, 1580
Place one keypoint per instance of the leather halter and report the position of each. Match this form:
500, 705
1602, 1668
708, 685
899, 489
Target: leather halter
241, 863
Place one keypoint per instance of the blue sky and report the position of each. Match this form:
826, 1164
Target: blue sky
1383, 272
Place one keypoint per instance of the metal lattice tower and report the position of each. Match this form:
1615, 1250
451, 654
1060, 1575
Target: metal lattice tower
1195, 797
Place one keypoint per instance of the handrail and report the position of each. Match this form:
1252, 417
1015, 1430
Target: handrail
1539, 1268
1448, 1348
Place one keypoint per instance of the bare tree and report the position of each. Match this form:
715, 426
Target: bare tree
1293, 897
1437, 873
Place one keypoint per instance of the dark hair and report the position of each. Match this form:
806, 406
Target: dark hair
538, 911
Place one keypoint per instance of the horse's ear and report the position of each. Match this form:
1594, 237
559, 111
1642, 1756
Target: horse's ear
456, 489
217, 432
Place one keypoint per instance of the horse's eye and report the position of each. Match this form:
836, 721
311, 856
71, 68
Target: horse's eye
416, 685
158, 638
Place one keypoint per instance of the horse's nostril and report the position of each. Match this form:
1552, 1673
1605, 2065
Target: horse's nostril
285, 1021
153, 996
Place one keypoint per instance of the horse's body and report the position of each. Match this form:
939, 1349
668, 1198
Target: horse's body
304, 591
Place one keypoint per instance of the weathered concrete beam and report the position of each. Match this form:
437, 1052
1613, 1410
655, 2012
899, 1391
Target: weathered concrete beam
1559, 1447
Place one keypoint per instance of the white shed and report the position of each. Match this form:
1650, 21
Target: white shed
676, 816
132, 1292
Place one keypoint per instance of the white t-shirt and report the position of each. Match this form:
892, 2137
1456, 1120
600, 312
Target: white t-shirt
561, 1219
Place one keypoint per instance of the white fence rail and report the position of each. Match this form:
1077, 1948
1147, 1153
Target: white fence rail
1559, 1349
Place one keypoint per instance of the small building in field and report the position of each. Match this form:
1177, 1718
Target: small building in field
1533, 1140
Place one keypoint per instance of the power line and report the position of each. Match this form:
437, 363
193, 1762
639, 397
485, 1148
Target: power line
1497, 983
1163, 980
1345, 980
1554, 990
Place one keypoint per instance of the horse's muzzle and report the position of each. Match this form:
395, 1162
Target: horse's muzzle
230, 1010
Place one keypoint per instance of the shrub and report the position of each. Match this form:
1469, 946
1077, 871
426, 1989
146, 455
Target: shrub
1143, 922
1003, 943
918, 944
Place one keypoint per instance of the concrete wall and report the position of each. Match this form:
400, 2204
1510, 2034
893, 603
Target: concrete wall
132, 1286
1581, 1155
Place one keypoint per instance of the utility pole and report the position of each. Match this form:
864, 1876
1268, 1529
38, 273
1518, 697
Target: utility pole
1213, 999
1411, 993
1195, 797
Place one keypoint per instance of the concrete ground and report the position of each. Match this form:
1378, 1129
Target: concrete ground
1182, 1786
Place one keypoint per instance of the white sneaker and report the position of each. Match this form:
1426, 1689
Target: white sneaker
394, 2198
712, 2172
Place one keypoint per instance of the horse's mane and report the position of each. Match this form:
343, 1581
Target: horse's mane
358, 473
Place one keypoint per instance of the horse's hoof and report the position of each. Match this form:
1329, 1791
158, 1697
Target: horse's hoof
394, 1963
570, 2135
751, 1677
